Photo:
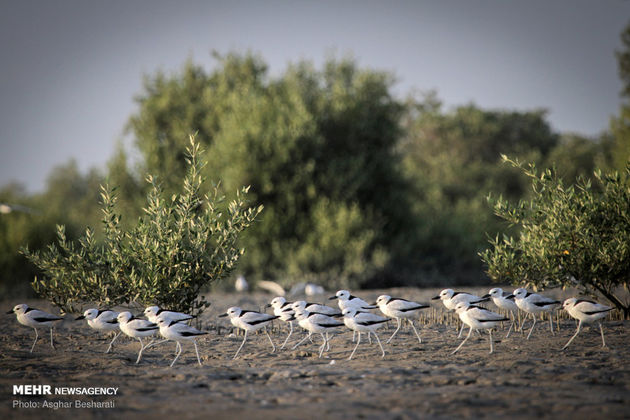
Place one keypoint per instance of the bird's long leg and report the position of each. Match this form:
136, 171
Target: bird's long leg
155, 343
51, 338
112, 342
461, 330
533, 325
511, 324
270, 340
239, 349
398, 324
36, 337
140, 352
178, 347
323, 346
355, 348
491, 343
574, 335
378, 340
465, 339
521, 322
301, 341
551, 322
416, 331
290, 332
197, 352
602, 331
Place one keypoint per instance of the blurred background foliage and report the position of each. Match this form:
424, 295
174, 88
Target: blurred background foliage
360, 188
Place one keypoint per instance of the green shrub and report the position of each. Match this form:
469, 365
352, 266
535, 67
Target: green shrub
178, 246
575, 235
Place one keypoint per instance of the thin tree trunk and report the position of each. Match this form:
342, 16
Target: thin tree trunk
614, 300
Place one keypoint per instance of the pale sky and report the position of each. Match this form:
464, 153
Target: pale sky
70, 69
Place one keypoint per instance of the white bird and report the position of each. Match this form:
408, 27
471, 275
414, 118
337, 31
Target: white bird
477, 318
363, 322
249, 321
585, 311
316, 323
102, 320
241, 284
533, 304
312, 289
283, 310
505, 301
399, 309
451, 298
136, 328
346, 300
315, 308
153, 312
176, 331
35, 318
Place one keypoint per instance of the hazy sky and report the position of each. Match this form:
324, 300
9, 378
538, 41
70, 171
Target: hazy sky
70, 69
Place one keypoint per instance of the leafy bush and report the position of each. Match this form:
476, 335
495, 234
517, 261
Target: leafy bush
573, 235
177, 247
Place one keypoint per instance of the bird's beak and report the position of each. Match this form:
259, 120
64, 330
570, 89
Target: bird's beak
332, 297
510, 297
374, 304
268, 305
485, 296
10, 312
435, 298
79, 317
223, 315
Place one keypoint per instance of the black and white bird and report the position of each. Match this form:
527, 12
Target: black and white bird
136, 328
318, 324
346, 300
585, 311
504, 300
315, 308
400, 309
249, 321
477, 318
35, 318
103, 320
152, 313
534, 304
451, 298
283, 310
363, 322
178, 332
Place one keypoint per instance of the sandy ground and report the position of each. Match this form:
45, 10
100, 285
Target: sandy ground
522, 379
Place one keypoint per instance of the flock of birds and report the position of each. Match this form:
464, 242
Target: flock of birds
353, 312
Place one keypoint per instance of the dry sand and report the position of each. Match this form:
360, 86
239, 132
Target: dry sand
522, 379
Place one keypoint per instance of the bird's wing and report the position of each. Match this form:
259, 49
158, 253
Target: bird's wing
588, 307
41, 316
485, 315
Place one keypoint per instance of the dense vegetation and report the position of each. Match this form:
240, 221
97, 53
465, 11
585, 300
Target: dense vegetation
360, 188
